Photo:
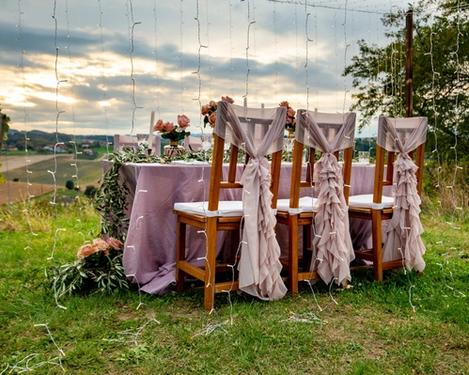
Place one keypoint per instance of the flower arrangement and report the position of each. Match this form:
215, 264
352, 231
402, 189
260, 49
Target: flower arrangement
173, 132
98, 268
290, 120
209, 111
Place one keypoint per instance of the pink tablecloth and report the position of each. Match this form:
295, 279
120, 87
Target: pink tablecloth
149, 254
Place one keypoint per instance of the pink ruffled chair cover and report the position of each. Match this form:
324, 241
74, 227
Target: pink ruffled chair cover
331, 242
258, 132
403, 135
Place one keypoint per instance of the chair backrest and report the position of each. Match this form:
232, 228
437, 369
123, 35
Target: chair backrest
255, 131
396, 135
193, 144
322, 132
122, 141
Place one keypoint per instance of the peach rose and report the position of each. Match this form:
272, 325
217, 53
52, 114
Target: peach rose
158, 126
168, 127
85, 251
183, 121
284, 104
115, 243
212, 119
100, 244
227, 99
212, 104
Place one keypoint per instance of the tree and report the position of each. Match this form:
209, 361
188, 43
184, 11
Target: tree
4, 127
440, 75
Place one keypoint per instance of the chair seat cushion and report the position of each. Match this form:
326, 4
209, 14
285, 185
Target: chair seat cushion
306, 204
366, 201
225, 208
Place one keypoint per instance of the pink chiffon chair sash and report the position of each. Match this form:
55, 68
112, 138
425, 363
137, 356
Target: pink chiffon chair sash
403, 235
332, 244
258, 132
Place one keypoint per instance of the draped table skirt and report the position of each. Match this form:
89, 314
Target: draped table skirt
149, 252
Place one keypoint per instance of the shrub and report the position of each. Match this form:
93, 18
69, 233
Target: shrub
90, 191
69, 184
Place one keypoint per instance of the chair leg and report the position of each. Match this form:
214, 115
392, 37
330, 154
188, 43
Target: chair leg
210, 264
293, 254
377, 244
307, 253
180, 252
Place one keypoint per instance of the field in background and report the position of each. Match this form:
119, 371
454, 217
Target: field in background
408, 324
89, 171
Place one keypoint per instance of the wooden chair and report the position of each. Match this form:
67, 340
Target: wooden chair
298, 212
378, 207
214, 216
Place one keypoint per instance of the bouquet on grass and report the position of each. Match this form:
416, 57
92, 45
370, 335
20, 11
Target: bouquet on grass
174, 133
98, 268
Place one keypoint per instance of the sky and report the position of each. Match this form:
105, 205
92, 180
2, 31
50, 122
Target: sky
179, 60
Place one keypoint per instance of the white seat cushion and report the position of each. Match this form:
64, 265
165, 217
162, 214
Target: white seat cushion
306, 204
225, 208
366, 201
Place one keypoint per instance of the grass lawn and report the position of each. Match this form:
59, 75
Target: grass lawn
369, 329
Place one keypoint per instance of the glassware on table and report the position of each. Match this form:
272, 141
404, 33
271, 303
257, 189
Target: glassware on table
364, 157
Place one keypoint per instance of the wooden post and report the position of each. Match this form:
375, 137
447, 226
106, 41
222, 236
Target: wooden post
152, 122
408, 64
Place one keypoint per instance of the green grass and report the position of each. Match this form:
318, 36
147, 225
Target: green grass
89, 171
371, 330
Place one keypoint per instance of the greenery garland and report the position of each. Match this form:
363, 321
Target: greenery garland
111, 197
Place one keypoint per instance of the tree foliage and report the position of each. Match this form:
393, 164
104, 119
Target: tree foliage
4, 127
440, 74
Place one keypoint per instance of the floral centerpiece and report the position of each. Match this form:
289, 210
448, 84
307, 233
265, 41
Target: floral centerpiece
290, 121
98, 268
174, 133
209, 111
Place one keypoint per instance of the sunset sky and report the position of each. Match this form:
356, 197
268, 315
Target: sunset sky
94, 62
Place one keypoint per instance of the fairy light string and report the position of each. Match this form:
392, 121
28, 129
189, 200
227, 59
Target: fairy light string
155, 57
435, 151
73, 142
457, 116
248, 34
58, 110
346, 47
27, 157
132, 25
181, 55
306, 63
103, 81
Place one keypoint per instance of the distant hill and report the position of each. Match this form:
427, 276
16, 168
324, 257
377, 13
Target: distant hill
39, 139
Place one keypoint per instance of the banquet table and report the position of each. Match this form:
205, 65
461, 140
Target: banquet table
149, 252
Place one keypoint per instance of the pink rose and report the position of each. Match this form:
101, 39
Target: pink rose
227, 99
168, 127
205, 109
158, 126
115, 243
183, 121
